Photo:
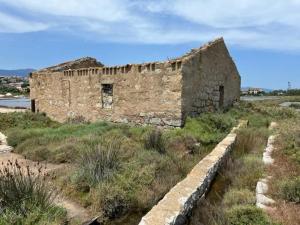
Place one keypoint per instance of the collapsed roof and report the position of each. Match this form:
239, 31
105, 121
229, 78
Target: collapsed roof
85, 62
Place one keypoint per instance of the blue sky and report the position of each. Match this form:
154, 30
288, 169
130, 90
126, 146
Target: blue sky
263, 36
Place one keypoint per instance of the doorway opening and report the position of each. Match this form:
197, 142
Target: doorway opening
107, 96
33, 105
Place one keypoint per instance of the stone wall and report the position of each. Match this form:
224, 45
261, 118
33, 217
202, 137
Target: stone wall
205, 72
159, 93
174, 208
145, 93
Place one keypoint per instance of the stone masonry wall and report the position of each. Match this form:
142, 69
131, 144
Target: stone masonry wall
146, 93
160, 93
205, 71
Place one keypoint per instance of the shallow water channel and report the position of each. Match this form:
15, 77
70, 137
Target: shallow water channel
203, 213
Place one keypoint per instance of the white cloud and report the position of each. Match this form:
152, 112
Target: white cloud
231, 13
12, 24
104, 10
271, 24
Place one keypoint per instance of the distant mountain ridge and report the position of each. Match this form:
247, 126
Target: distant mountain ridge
18, 72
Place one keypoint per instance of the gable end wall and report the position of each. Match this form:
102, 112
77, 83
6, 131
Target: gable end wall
203, 74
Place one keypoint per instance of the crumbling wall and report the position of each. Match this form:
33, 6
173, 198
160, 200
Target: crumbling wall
209, 73
159, 93
142, 94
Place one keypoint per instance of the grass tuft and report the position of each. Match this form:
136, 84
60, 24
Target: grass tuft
24, 192
238, 197
98, 164
155, 141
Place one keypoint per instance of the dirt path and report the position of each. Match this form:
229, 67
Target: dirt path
74, 210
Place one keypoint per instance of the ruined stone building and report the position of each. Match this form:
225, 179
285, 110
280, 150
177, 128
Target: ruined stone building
160, 93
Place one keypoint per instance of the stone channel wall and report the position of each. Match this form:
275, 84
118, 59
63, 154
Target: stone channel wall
174, 208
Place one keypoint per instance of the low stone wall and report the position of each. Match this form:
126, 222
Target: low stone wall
179, 201
262, 187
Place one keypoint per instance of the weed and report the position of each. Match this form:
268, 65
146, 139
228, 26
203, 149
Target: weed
23, 192
99, 163
250, 140
295, 106
154, 140
238, 197
25, 120
290, 189
246, 215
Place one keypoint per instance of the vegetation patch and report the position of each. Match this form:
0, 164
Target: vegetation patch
25, 120
295, 106
232, 198
245, 215
290, 189
26, 197
238, 197
117, 170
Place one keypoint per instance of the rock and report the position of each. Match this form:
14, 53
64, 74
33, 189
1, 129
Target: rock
156, 121
5, 148
93, 221
262, 186
267, 159
264, 200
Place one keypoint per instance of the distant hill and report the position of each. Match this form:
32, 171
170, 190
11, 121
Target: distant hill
19, 72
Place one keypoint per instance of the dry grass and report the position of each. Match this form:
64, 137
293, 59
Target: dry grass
285, 169
286, 213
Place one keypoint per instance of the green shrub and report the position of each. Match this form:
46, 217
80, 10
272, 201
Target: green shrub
290, 189
295, 106
154, 140
246, 215
111, 200
238, 197
16, 136
25, 120
208, 128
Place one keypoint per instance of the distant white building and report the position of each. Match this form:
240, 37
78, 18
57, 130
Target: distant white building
252, 91
17, 85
